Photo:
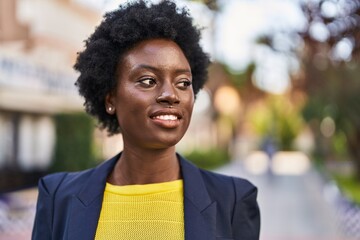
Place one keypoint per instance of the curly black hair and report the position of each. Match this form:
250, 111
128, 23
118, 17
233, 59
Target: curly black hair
121, 30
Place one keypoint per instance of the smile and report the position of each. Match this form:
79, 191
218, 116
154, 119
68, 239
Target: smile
166, 117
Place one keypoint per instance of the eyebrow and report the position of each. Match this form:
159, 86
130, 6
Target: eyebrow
157, 69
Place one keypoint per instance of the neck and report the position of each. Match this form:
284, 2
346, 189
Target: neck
139, 166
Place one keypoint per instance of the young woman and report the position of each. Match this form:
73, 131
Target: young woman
139, 74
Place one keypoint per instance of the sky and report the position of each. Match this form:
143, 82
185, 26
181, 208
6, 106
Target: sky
242, 22
237, 26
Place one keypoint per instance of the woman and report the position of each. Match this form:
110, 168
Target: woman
139, 74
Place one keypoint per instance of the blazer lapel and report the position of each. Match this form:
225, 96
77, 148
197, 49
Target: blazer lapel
199, 209
86, 205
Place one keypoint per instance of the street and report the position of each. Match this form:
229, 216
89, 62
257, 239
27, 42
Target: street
293, 207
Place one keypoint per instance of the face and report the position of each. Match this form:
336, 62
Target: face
153, 100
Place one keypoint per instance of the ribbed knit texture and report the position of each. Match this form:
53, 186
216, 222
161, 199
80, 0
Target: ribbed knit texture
139, 212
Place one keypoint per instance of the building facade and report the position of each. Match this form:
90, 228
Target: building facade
38, 44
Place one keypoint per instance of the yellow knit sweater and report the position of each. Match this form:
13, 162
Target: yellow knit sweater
150, 211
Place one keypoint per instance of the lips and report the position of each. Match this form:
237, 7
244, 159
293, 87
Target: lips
166, 117
169, 118
166, 114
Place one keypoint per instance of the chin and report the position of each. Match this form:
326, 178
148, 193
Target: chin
163, 144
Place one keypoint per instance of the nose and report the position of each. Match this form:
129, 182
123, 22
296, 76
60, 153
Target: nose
168, 96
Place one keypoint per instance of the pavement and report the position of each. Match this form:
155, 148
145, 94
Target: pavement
293, 207
17, 213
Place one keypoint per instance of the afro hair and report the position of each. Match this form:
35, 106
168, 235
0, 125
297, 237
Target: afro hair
119, 31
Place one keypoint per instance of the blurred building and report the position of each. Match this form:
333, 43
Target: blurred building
38, 44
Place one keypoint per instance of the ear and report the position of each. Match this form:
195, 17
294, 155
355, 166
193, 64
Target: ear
110, 104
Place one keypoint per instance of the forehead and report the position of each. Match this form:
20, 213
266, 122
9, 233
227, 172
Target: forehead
157, 52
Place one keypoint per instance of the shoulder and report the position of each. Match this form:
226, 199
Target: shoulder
70, 183
221, 184
52, 182
237, 205
220, 187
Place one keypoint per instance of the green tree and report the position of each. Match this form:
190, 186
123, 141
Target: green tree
278, 118
329, 75
331, 68
74, 149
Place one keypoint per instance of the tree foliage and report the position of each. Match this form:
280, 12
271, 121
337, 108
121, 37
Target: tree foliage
74, 149
331, 69
338, 20
276, 117
328, 54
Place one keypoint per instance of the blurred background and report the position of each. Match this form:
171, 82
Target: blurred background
281, 107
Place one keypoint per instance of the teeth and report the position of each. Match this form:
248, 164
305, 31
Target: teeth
166, 117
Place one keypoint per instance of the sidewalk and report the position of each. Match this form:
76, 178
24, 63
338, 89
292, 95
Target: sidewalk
17, 212
293, 207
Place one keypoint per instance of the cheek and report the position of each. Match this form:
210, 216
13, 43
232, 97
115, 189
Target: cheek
132, 105
191, 101
189, 105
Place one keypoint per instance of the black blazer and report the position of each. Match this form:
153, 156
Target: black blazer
215, 206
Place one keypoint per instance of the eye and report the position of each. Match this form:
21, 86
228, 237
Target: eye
184, 84
147, 82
